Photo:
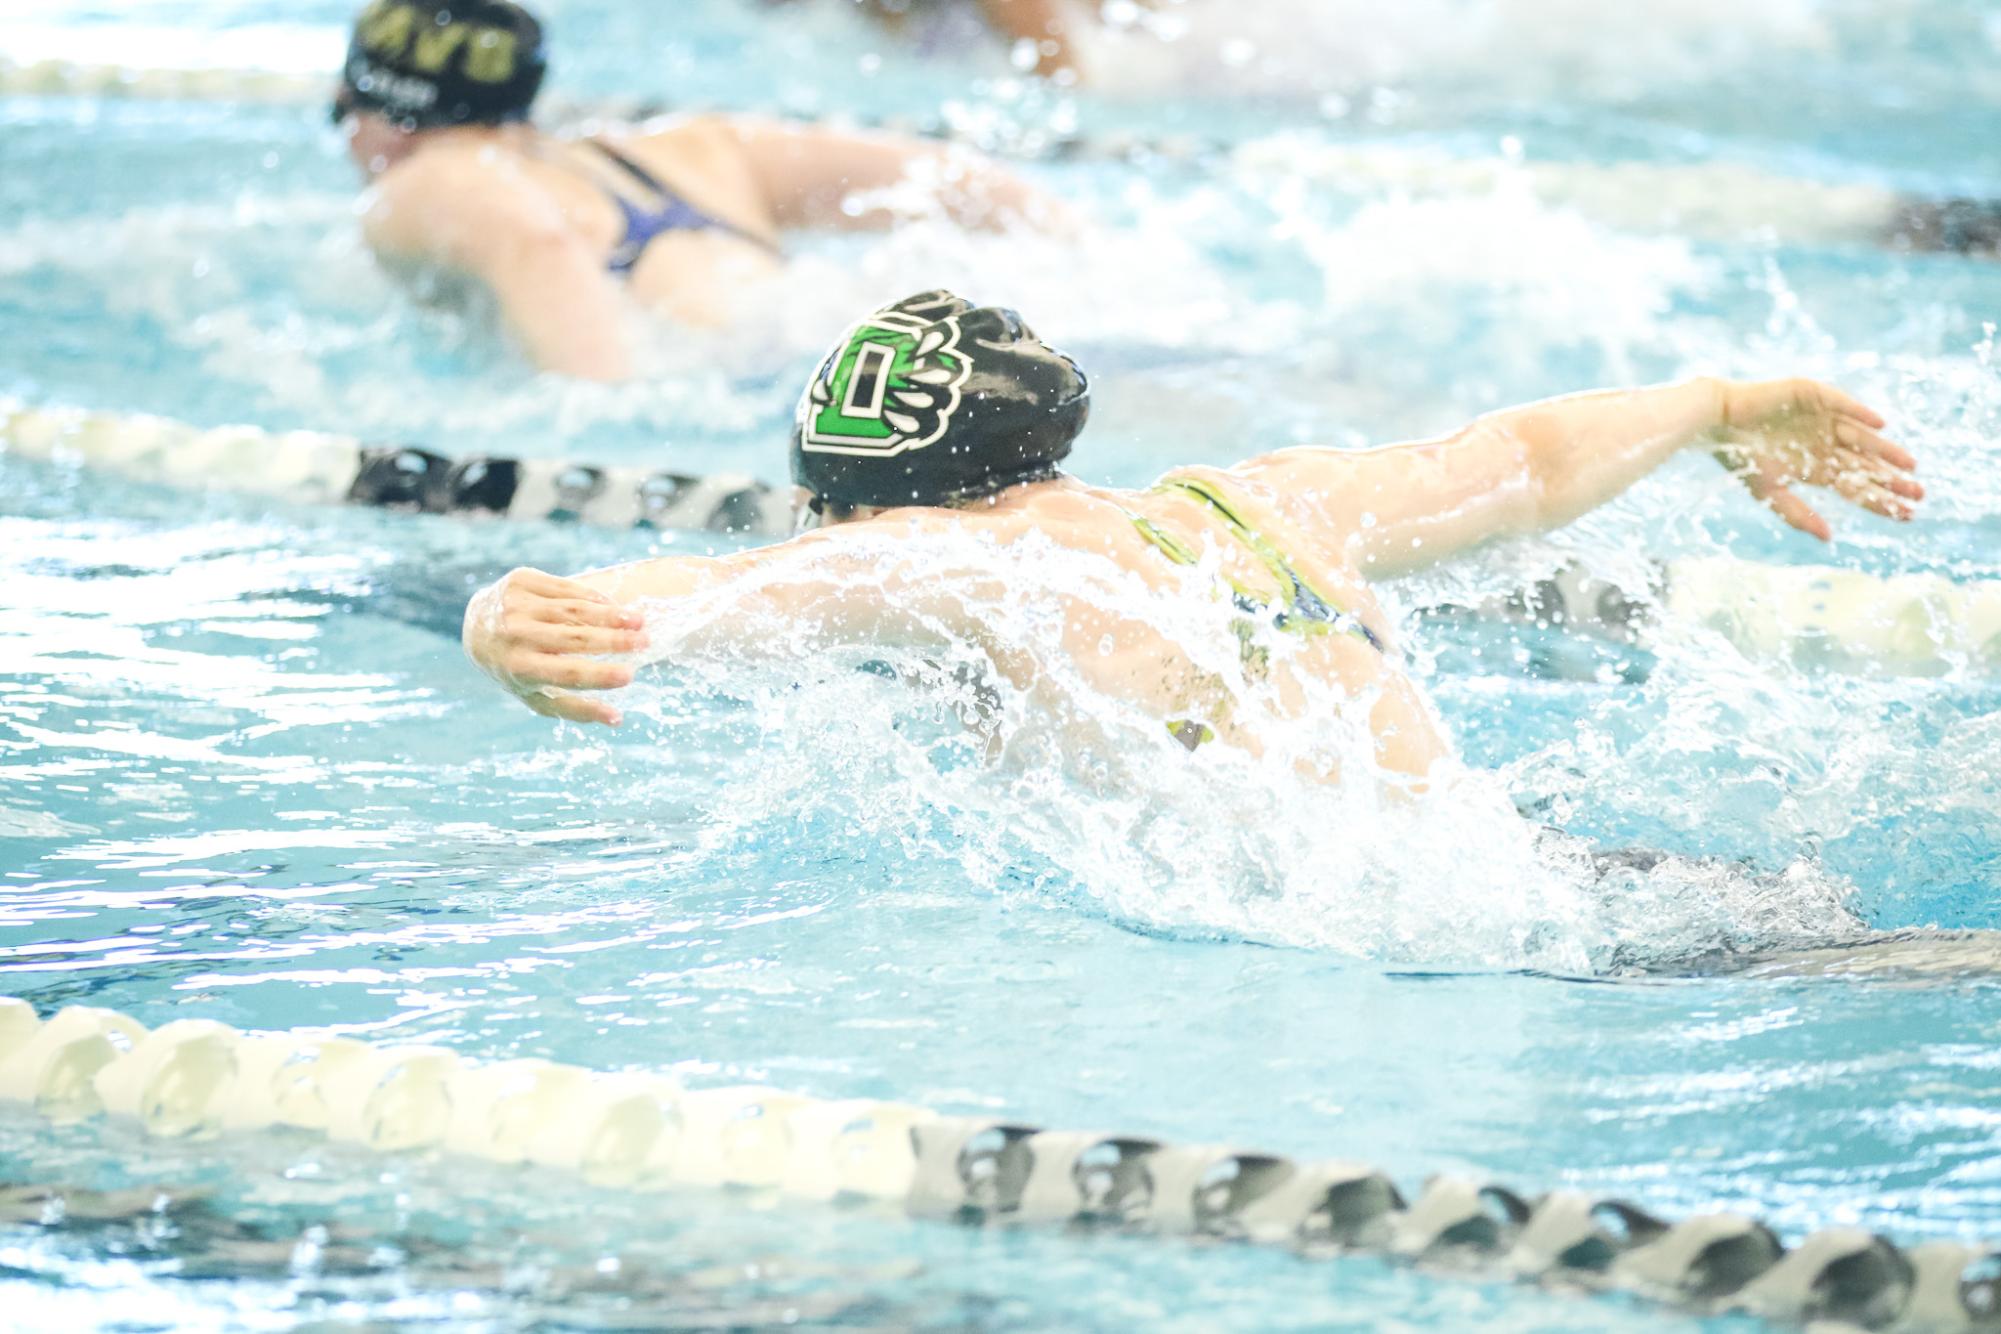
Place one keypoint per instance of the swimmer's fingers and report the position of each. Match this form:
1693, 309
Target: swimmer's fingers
1846, 405
572, 611
540, 583
574, 709
1767, 483
546, 597
1867, 442
1859, 468
1876, 498
554, 637
1876, 488
530, 669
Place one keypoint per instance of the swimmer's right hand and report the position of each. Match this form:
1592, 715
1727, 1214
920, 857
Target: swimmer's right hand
534, 633
1775, 434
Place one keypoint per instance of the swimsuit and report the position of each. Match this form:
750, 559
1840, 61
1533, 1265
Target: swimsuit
1301, 609
668, 212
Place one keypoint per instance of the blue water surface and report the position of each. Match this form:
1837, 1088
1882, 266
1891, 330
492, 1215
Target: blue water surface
246, 774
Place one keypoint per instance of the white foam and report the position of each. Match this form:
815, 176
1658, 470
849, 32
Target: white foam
1073, 791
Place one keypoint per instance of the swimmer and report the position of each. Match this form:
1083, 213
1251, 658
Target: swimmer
933, 418
677, 216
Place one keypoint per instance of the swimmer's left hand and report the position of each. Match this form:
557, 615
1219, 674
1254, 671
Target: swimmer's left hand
1776, 434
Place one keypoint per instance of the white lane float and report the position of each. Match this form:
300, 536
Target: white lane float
317, 467
195, 1079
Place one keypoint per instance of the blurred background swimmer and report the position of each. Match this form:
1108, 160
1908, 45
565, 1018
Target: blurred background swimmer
679, 216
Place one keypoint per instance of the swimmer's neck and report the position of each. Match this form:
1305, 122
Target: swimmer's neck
1024, 494
518, 136
1020, 496
514, 134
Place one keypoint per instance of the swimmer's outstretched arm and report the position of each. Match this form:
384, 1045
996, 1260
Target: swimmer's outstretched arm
463, 213
815, 176
542, 637
1530, 469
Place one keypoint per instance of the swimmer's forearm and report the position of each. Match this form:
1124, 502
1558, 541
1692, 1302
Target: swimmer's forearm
1403, 508
813, 593
1583, 450
554, 294
808, 591
1534, 468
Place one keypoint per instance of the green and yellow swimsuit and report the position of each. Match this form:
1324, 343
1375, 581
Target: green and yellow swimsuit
1301, 609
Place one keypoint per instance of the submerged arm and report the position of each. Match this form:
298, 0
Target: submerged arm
555, 295
1534, 468
539, 635
813, 177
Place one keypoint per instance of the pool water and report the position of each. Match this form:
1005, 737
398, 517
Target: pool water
246, 774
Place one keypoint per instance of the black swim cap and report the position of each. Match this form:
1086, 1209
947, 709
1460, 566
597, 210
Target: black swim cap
934, 400
431, 63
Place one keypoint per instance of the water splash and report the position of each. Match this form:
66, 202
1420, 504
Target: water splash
1052, 787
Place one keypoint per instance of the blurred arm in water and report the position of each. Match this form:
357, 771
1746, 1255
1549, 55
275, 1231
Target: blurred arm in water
532, 630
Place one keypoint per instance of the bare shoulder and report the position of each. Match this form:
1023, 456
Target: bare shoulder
449, 178
923, 522
1285, 472
451, 164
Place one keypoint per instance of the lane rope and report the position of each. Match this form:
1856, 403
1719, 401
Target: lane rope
197, 1079
65, 78
320, 468
1812, 615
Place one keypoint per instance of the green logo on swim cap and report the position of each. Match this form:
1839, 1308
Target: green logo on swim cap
892, 386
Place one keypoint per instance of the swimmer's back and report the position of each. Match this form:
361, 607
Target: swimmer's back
552, 191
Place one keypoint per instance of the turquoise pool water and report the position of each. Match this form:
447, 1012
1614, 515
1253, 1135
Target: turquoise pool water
245, 773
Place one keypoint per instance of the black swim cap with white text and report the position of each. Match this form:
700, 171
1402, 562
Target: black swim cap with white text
424, 64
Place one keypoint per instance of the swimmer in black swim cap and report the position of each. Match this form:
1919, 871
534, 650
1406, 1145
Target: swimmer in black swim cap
681, 216
1227, 605
934, 401
423, 64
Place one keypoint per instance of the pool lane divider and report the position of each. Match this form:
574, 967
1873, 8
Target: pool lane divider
1816, 615
1916, 624
195, 1079
320, 468
66, 78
